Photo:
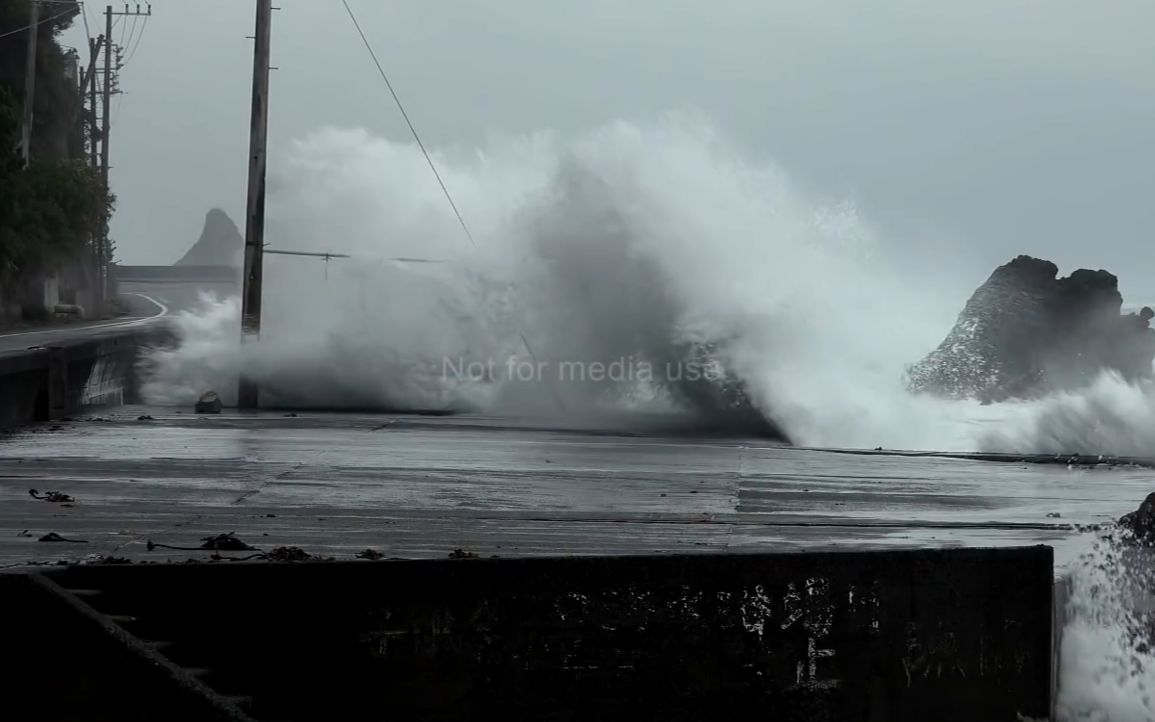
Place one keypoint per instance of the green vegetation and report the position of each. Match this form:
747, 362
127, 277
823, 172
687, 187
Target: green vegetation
50, 210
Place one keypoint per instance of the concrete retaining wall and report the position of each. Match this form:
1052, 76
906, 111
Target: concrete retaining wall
962, 634
66, 662
42, 383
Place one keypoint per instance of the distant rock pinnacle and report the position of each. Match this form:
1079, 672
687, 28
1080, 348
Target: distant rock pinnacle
220, 244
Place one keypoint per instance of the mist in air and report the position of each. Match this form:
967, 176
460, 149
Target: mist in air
656, 247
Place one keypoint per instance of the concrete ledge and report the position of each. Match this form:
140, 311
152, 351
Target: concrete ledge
67, 662
46, 382
960, 634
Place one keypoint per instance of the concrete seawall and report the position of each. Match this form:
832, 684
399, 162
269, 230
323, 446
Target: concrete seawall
960, 634
45, 382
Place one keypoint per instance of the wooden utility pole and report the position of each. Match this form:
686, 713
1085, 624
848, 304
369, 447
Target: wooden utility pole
103, 252
106, 104
94, 45
247, 390
88, 86
30, 79
106, 100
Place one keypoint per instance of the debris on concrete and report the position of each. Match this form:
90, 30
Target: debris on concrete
226, 542
214, 557
229, 542
101, 559
462, 554
54, 537
1054, 515
208, 403
289, 554
145, 417
55, 497
371, 554
279, 554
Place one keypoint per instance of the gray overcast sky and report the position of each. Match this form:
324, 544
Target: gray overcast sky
971, 131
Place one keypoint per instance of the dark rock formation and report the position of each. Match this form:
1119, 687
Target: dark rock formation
208, 403
1025, 332
1141, 522
220, 244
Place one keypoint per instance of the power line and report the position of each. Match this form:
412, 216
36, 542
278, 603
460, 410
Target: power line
124, 31
138, 37
408, 122
132, 31
524, 341
38, 23
84, 15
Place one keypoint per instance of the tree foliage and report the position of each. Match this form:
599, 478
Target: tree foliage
57, 102
51, 209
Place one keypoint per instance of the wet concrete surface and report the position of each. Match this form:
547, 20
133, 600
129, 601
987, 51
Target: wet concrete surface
422, 486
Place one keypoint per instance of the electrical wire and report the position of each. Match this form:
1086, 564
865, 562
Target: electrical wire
84, 16
37, 23
123, 28
131, 33
408, 122
138, 37
433, 167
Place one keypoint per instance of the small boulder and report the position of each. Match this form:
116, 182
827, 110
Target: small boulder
208, 403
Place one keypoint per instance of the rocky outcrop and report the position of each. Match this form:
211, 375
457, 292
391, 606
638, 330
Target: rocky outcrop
220, 243
1141, 522
1025, 332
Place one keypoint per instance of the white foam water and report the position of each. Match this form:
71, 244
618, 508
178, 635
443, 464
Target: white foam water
1107, 664
629, 244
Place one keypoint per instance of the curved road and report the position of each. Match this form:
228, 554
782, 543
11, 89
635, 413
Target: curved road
33, 337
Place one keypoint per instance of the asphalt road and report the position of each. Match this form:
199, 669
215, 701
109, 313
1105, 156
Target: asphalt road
144, 310
148, 302
408, 486
177, 296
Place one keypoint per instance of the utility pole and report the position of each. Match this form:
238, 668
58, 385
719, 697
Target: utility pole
102, 246
247, 390
30, 79
89, 86
106, 99
106, 102
94, 45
